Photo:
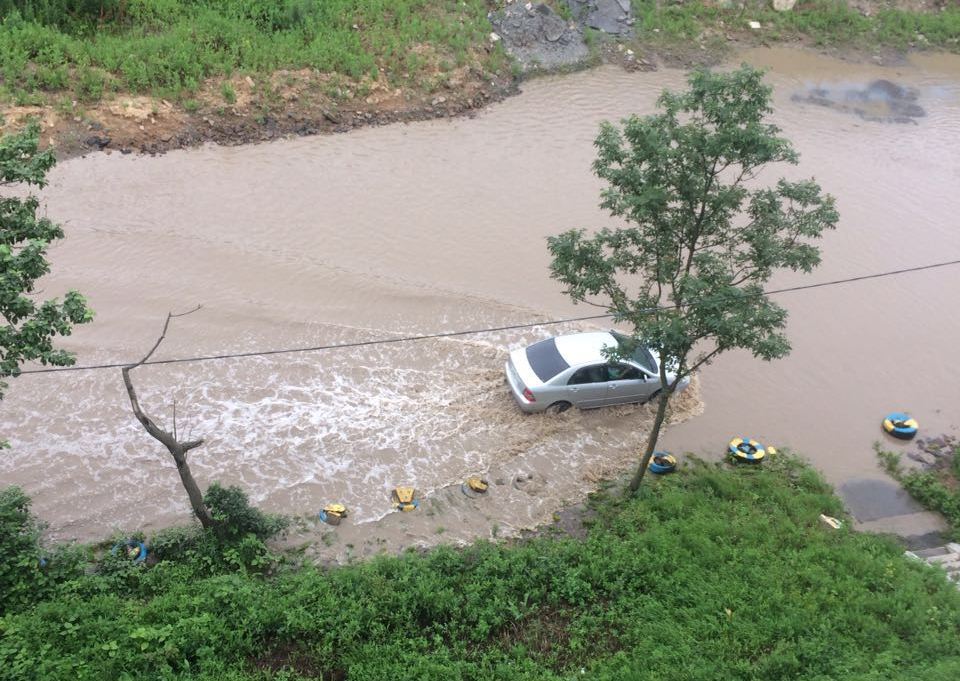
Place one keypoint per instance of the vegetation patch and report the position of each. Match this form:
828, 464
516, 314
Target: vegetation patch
170, 47
702, 30
936, 484
713, 572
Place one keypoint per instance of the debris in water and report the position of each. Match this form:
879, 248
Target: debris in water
880, 101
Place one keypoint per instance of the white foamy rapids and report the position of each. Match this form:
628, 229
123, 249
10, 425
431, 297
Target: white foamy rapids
296, 431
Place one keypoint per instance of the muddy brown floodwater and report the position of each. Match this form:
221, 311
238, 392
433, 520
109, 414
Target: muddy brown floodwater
440, 226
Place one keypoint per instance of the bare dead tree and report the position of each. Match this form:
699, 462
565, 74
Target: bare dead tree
178, 450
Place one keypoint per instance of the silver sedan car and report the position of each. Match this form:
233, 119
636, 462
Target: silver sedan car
565, 371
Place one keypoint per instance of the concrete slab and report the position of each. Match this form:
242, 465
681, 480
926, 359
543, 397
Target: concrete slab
870, 499
917, 531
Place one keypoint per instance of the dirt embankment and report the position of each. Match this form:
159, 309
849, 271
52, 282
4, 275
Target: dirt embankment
247, 109
550, 37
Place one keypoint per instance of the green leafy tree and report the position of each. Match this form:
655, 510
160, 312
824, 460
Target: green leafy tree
701, 236
29, 326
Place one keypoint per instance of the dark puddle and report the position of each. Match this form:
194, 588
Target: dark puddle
880, 101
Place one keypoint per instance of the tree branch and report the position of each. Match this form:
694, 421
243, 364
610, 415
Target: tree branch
600, 305
163, 334
703, 360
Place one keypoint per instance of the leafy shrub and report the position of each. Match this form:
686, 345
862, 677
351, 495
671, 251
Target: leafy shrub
237, 518
28, 573
20, 574
61, 13
174, 542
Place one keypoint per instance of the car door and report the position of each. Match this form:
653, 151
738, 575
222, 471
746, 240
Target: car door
626, 384
587, 386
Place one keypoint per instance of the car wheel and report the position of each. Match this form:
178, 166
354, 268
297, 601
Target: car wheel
653, 398
558, 407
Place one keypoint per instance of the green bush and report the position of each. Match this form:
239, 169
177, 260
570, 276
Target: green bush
236, 518
28, 572
70, 15
20, 553
174, 542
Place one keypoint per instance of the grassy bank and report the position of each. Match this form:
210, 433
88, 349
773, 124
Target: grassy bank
715, 573
86, 50
823, 23
91, 48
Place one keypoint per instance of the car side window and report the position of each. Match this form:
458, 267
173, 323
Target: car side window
623, 372
591, 374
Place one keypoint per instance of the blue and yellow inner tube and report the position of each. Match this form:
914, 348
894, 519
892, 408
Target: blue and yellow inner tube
332, 514
662, 462
133, 549
405, 499
900, 425
745, 449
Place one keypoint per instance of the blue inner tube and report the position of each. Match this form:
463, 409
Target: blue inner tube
131, 544
666, 463
900, 425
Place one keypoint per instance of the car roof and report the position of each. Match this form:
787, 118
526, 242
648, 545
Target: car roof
584, 348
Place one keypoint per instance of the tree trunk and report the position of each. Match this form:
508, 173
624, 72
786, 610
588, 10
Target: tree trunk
178, 450
193, 491
665, 392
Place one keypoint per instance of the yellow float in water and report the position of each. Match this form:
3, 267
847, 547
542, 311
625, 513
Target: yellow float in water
900, 425
745, 449
332, 514
405, 499
474, 487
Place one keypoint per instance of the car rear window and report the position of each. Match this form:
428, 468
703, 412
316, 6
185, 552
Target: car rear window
634, 350
545, 359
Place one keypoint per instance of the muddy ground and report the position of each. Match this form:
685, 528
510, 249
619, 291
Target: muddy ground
286, 103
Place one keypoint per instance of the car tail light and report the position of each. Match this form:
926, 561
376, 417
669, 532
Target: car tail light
529, 395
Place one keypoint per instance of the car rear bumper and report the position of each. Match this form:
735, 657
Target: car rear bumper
516, 389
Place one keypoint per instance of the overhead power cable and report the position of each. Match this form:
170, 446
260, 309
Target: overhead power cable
469, 332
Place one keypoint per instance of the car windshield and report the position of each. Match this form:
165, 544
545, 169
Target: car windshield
545, 359
633, 350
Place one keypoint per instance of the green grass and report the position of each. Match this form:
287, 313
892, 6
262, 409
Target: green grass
821, 22
171, 46
714, 573
229, 94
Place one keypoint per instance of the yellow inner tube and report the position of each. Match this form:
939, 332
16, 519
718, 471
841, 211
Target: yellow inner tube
477, 484
335, 509
404, 495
